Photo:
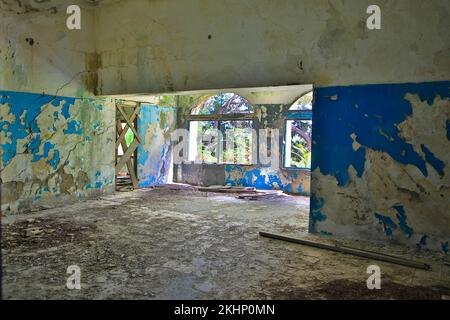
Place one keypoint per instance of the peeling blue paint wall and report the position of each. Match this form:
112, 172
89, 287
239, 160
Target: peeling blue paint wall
155, 124
268, 178
51, 149
380, 162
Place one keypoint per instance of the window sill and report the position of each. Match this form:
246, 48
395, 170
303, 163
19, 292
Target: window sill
296, 169
220, 164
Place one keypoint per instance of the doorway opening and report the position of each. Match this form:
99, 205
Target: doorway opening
127, 141
217, 143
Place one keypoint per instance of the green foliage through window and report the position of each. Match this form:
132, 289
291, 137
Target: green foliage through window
204, 135
223, 103
298, 143
218, 139
229, 140
303, 103
238, 141
129, 137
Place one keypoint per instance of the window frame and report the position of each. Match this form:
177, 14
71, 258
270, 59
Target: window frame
221, 118
290, 115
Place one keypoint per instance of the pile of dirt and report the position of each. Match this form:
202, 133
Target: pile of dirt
43, 233
351, 290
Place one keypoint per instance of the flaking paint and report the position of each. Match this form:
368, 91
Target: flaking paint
53, 149
380, 162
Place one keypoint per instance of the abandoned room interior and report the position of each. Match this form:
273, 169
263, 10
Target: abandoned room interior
249, 149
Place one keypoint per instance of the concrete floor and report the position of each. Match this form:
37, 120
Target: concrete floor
186, 244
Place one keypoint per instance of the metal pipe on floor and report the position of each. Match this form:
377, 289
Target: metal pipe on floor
353, 251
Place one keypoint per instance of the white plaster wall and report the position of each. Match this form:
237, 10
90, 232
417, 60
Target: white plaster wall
260, 95
60, 61
159, 46
141, 46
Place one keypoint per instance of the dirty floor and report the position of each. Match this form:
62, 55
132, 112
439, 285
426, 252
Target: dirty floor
186, 244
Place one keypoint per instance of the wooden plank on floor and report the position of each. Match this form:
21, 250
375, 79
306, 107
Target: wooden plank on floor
357, 252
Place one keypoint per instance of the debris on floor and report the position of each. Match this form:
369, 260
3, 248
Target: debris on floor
228, 189
42, 233
124, 183
188, 244
269, 194
350, 290
175, 187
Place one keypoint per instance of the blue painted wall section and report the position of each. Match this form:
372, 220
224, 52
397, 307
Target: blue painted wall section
448, 129
155, 124
267, 178
50, 149
24, 109
316, 214
380, 162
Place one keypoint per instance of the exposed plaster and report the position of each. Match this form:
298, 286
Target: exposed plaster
49, 149
399, 193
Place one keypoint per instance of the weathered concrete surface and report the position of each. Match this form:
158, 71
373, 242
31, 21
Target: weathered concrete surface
202, 174
56, 137
39, 54
257, 95
223, 44
321, 42
380, 163
160, 244
54, 149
